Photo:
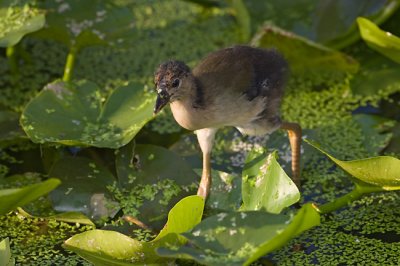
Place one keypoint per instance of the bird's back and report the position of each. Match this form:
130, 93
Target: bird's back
243, 70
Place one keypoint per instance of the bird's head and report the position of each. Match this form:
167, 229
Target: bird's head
171, 79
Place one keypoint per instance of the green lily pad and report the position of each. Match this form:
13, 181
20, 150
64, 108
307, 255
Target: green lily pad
112, 248
17, 19
15, 197
240, 238
302, 54
68, 217
83, 187
153, 180
72, 114
265, 185
379, 40
381, 171
85, 23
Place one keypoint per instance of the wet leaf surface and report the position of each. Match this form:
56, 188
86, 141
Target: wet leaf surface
83, 188
10, 130
72, 114
68, 217
302, 54
332, 22
155, 179
239, 238
379, 40
265, 185
15, 197
381, 171
375, 129
87, 23
108, 247
17, 19
5, 253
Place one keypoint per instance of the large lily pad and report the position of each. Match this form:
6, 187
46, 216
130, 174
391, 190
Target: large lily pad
265, 185
302, 54
240, 238
17, 19
379, 40
381, 171
112, 248
83, 187
153, 180
72, 114
15, 197
85, 23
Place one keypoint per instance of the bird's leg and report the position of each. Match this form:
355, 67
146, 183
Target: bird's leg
205, 137
294, 132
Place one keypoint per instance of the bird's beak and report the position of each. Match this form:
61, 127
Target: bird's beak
162, 100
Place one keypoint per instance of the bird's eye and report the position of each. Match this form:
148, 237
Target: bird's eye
175, 83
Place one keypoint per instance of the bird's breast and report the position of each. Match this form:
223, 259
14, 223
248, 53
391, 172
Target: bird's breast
222, 111
187, 116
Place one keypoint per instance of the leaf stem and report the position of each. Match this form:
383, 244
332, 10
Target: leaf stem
69, 65
353, 195
11, 53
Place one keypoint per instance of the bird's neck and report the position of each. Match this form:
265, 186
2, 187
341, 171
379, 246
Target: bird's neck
188, 109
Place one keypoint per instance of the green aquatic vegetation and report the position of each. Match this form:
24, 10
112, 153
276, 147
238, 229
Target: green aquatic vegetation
12, 198
326, 105
104, 247
240, 238
77, 116
379, 40
265, 185
37, 242
296, 48
18, 18
5, 253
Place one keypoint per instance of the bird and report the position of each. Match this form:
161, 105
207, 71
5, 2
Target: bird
239, 86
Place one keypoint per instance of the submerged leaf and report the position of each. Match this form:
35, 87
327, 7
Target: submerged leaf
240, 238
83, 187
10, 130
15, 197
381, 171
112, 248
265, 185
72, 114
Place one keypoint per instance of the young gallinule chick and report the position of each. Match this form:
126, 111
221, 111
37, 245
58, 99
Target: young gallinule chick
239, 86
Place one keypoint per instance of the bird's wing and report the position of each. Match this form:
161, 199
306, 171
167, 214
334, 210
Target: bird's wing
228, 70
243, 70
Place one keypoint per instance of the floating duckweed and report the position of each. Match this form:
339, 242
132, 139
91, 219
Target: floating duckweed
37, 242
